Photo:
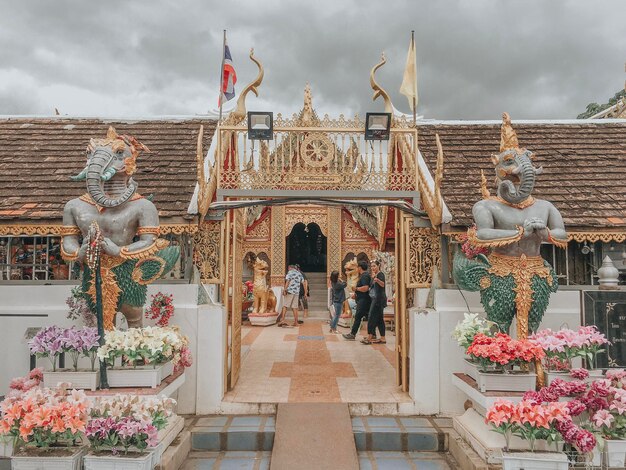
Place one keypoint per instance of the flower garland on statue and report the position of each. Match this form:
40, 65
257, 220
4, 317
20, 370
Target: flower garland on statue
470, 251
161, 308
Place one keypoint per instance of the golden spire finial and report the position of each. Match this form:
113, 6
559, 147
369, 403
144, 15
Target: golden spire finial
378, 90
508, 137
239, 113
307, 114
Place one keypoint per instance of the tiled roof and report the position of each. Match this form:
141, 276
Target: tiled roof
38, 155
584, 167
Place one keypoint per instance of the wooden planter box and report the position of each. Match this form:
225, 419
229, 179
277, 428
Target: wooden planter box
140, 376
615, 453
500, 381
594, 374
85, 379
48, 462
534, 461
143, 461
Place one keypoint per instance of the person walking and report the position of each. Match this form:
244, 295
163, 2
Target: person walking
338, 287
379, 302
303, 299
291, 292
362, 298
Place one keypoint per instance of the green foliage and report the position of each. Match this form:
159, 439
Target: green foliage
595, 108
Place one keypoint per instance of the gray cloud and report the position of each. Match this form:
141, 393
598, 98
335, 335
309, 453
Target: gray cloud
536, 59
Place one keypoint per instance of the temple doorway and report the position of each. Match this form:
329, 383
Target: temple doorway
306, 246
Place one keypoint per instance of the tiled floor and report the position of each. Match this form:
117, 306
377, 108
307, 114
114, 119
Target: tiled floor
306, 364
404, 460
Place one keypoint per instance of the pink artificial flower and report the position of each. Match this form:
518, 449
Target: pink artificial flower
602, 418
576, 407
618, 406
580, 374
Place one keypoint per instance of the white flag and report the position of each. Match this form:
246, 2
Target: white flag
409, 80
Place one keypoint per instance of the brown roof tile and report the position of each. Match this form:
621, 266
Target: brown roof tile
584, 167
38, 155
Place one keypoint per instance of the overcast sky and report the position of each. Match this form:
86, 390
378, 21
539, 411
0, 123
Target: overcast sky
536, 59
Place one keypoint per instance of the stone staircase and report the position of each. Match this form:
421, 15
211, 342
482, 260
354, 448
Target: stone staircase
318, 301
320, 436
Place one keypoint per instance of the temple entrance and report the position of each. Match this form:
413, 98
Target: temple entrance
306, 246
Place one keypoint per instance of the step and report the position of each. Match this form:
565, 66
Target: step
401, 434
233, 433
228, 460
315, 436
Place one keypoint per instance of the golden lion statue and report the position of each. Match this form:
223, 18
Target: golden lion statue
264, 298
352, 277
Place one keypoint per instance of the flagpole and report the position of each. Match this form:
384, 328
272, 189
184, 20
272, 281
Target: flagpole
222, 75
415, 52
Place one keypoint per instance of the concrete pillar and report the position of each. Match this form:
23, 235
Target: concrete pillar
211, 357
425, 356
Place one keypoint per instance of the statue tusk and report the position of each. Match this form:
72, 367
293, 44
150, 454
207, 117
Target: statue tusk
539, 170
80, 176
516, 171
108, 174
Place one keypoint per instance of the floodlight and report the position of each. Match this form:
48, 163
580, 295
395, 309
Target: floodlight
260, 125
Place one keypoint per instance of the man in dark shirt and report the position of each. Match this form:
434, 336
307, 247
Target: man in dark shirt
362, 298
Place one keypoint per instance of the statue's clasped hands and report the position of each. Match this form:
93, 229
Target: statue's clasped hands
535, 225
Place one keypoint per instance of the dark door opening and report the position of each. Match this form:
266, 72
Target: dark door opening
306, 246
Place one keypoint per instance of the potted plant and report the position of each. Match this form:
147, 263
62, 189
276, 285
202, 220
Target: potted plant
464, 333
109, 434
47, 426
161, 308
156, 410
563, 346
75, 342
503, 361
17, 388
610, 418
148, 355
248, 296
532, 421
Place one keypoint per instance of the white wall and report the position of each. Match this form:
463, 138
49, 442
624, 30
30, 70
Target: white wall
23, 306
435, 355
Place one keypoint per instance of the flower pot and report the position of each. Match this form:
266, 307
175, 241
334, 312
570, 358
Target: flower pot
85, 379
534, 461
167, 370
615, 453
470, 368
6, 446
594, 374
506, 382
68, 458
131, 461
595, 458
140, 376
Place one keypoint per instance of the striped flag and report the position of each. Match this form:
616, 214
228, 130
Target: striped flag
229, 76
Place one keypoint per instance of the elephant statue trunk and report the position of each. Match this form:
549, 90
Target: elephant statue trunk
100, 171
526, 173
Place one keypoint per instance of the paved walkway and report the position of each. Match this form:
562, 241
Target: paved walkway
314, 436
306, 364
